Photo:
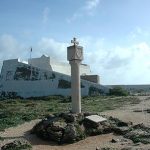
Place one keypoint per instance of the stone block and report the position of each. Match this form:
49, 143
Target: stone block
96, 118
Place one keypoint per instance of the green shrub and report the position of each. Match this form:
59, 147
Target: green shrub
118, 91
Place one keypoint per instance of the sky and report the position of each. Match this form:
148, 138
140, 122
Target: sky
115, 34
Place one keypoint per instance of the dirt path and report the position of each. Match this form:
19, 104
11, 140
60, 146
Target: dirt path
125, 113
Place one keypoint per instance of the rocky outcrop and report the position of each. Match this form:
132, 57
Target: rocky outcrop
69, 128
17, 145
61, 128
139, 133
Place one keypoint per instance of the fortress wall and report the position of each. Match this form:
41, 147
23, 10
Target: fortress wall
43, 62
92, 78
85, 70
51, 64
27, 89
62, 68
8, 68
16, 77
66, 69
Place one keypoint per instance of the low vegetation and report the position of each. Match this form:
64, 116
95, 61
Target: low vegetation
118, 91
17, 111
17, 145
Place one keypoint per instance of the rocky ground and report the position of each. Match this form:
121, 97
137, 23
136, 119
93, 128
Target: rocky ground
137, 114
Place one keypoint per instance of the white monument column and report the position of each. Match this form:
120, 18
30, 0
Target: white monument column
75, 56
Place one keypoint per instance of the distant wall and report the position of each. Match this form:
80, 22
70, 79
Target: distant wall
145, 88
27, 81
50, 64
91, 78
43, 62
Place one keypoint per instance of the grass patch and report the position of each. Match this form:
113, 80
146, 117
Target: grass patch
17, 111
103, 103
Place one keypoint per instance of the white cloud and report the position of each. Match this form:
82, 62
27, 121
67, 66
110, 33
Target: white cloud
137, 33
88, 9
10, 47
120, 65
45, 14
52, 48
75, 16
91, 4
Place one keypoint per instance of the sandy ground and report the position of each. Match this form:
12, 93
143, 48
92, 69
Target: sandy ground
125, 113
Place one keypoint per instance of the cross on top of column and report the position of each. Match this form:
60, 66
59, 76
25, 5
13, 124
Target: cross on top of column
74, 41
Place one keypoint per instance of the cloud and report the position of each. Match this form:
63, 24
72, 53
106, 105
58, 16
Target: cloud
75, 16
10, 47
119, 65
91, 4
45, 15
137, 33
88, 9
49, 46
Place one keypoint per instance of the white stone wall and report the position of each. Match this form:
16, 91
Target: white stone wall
50, 64
15, 77
43, 62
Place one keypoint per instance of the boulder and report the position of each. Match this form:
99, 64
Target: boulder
17, 145
69, 117
139, 133
118, 122
69, 128
70, 134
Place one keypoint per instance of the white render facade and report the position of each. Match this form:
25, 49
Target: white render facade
50, 64
42, 77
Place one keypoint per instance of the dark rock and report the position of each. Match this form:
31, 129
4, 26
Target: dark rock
118, 122
17, 145
54, 136
72, 133
127, 148
59, 130
120, 130
93, 128
90, 124
145, 110
139, 136
141, 126
137, 110
139, 133
114, 141
97, 148
122, 124
50, 116
50, 129
89, 114
148, 111
106, 127
109, 148
69, 117
58, 125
